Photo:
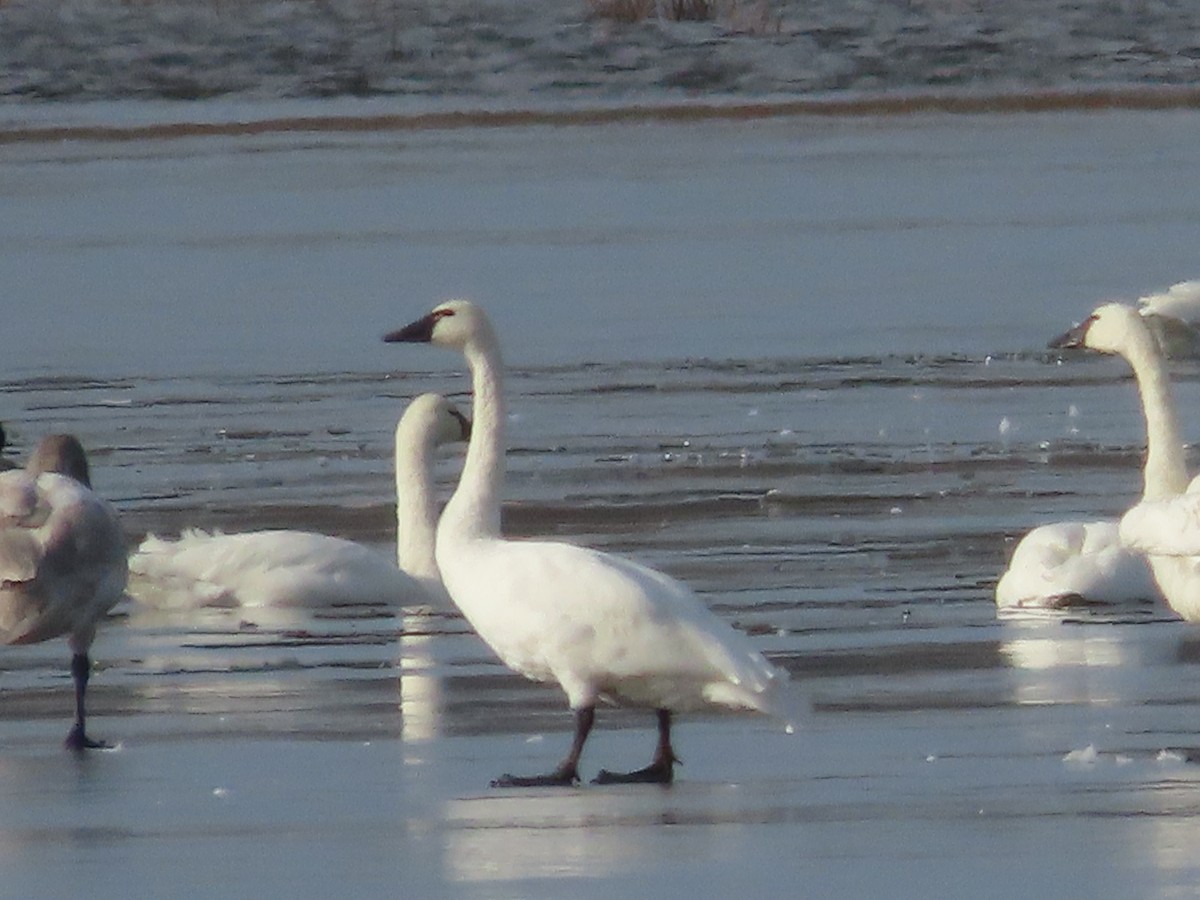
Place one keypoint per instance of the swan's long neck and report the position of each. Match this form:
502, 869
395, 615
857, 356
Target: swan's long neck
474, 510
1166, 467
416, 513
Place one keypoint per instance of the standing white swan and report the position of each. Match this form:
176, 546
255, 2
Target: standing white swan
296, 568
602, 627
1118, 329
62, 560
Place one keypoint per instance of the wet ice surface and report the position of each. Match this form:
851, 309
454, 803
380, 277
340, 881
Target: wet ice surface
797, 364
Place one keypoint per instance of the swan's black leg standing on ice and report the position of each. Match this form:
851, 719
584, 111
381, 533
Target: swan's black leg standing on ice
661, 769
567, 772
77, 738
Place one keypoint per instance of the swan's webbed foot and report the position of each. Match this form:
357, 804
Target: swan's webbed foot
78, 741
661, 771
563, 776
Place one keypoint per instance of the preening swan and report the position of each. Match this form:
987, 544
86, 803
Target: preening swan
297, 568
62, 560
602, 627
1174, 318
1118, 329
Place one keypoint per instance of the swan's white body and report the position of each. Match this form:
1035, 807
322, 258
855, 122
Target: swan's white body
264, 568
1167, 530
1070, 563
1117, 329
62, 558
296, 568
1174, 318
602, 627
1065, 564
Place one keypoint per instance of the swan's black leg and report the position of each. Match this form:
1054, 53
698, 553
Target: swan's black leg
77, 738
567, 772
661, 769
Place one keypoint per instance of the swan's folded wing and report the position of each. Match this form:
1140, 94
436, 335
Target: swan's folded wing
1164, 527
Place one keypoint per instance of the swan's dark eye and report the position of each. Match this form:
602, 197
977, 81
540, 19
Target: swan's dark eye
441, 313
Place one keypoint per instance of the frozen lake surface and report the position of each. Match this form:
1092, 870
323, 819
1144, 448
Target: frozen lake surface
796, 362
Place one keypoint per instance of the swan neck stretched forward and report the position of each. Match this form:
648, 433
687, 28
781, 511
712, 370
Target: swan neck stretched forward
474, 509
1166, 468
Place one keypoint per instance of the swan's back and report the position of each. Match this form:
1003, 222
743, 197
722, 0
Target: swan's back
266, 568
62, 557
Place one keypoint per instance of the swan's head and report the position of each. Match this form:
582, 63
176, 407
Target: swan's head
454, 324
432, 419
61, 453
1109, 329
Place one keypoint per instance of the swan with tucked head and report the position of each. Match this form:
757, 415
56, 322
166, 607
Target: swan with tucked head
601, 627
1117, 329
282, 568
62, 560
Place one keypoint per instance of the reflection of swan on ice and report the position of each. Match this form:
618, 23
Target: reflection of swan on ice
62, 559
602, 627
295, 568
1069, 563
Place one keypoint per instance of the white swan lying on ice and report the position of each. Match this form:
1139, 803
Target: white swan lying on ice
296, 568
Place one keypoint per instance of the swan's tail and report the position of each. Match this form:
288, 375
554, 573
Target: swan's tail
776, 696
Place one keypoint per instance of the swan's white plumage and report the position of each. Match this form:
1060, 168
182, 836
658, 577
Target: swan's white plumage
1179, 301
1091, 562
1066, 563
1167, 531
264, 568
1117, 329
1168, 527
603, 627
600, 626
1174, 318
282, 568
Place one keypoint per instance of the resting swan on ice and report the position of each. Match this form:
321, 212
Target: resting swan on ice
602, 627
1118, 329
62, 560
296, 568
1077, 563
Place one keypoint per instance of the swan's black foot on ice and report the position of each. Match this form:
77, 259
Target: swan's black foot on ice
658, 772
557, 778
77, 740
